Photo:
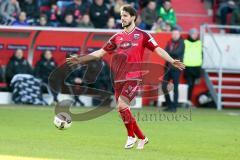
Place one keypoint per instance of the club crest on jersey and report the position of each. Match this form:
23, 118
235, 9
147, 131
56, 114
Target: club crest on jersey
136, 36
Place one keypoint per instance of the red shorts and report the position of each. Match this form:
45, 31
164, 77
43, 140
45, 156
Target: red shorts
128, 89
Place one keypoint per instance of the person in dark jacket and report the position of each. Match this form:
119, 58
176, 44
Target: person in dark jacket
99, 14
69, 21
17, 65
1, 74
175, 47
31, 9
78, 8
149, 14
44, 67
76, 79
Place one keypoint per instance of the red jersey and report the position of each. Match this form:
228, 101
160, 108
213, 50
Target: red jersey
127, 51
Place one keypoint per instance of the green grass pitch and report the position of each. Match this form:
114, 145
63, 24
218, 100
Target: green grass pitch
202, 134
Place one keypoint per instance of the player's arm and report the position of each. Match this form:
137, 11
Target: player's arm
162, 53
98, 54
152, 45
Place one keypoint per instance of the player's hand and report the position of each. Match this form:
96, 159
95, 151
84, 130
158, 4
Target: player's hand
73, 60
178, 64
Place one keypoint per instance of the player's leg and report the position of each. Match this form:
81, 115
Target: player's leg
128, 118
131, 124
128, 92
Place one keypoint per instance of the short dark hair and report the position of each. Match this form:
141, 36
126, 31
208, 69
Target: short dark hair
128, 8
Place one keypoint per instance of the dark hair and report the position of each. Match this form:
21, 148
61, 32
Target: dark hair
130, 10
44, 53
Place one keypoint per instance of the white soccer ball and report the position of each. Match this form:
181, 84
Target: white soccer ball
62, 120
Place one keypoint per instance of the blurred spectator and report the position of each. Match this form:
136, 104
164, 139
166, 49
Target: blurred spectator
143, 3
149, 14
69, 21
3, 87
140, 24
133, 3
159, 25
44, 67
103, 81
175, 47
159, 3
62, 4
85, 22
111, 23
44, 5
168, 13
167, 27
193, 61
236, 19
17, 65
21, 20
43, 21
54, 15
226, 7
115, 9
78, 9
31, 9
76, 79
99, 14
9, 10
1, 74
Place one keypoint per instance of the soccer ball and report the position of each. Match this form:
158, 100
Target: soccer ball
62, 121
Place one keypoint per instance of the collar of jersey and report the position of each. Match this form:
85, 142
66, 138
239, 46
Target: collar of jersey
130, 32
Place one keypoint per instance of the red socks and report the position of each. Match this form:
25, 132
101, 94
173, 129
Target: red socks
131, 124
128, 121
138, 131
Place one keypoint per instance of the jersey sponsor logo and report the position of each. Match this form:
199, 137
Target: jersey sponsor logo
125, 45
134, 44
136, 36
152, 40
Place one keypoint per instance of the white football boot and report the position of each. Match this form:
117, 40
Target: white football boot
142, 142
130, 142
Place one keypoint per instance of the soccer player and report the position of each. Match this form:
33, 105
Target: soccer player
131, 42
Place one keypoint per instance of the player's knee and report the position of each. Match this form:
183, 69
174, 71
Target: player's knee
121, 106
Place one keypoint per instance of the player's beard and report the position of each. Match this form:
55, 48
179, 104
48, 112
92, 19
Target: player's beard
127, 25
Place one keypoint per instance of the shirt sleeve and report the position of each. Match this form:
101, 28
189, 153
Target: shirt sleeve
110, 46
149, 42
